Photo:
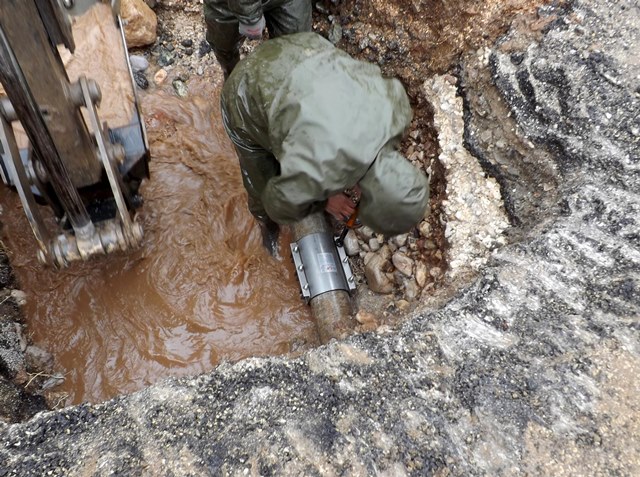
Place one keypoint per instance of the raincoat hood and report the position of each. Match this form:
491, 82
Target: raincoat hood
394, 194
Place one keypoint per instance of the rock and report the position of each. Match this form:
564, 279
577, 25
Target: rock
435, 272
403, 263
376, 278
374, 244
204, 48
365, 318
365, 233
397, 277
385, 252
141, 79
425, 228
138, 63
166, 58
402, 305
335, 33
400, 240
351, 244
151, 3
429, 245
187, 43
183, 76
140, 23
181, 88
160, 76
421, 274
19, 296
411, 289
38, 359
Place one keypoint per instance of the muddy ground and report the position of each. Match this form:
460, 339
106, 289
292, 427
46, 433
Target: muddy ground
527, 368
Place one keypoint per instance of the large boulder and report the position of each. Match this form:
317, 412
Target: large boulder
140, 23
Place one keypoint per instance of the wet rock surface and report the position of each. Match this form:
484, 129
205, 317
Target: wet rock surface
21, 393
529, 370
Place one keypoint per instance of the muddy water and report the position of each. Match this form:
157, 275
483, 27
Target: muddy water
201, 290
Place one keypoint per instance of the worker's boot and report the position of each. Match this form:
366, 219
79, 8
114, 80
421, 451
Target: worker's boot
270, 232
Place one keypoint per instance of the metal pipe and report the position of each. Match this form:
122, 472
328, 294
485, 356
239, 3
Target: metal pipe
332, 309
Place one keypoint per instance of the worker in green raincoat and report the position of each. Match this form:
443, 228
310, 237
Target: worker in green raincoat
308, 121
230, 21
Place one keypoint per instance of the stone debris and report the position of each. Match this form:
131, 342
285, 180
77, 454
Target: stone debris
181, 88
402, 263
160, 76
474, 212
374, 271
351, 244
138, 63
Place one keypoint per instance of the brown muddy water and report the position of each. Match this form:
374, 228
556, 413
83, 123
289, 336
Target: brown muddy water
201, 290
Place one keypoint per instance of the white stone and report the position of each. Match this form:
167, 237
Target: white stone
400, 240
421, 274
411, 289
138, 63
365, 233
376, 278
351, 244
424, 228
402, 263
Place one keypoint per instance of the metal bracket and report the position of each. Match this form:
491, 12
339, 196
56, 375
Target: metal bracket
302, 277
132, 234
346, 268
321, 265
18, 177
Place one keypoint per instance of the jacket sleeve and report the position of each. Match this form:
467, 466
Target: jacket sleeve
287, 199
318, 158
247, 11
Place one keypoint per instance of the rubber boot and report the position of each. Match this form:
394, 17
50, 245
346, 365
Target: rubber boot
270, 232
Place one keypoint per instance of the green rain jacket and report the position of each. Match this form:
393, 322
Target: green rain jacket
330, 121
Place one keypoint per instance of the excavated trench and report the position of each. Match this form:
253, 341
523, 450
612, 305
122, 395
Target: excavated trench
202, 290
516, 359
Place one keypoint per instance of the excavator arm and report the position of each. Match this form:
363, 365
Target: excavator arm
71, 131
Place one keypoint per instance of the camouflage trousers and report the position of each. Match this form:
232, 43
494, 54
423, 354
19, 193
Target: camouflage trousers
282, 17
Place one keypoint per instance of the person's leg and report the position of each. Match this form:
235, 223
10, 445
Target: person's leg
222, 34
292, 16
257, 167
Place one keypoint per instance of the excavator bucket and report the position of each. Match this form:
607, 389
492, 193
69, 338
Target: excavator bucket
71, 131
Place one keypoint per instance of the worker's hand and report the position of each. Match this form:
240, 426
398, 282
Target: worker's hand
340, 206
253, 32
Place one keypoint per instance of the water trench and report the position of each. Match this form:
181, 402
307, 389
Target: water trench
201, 289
